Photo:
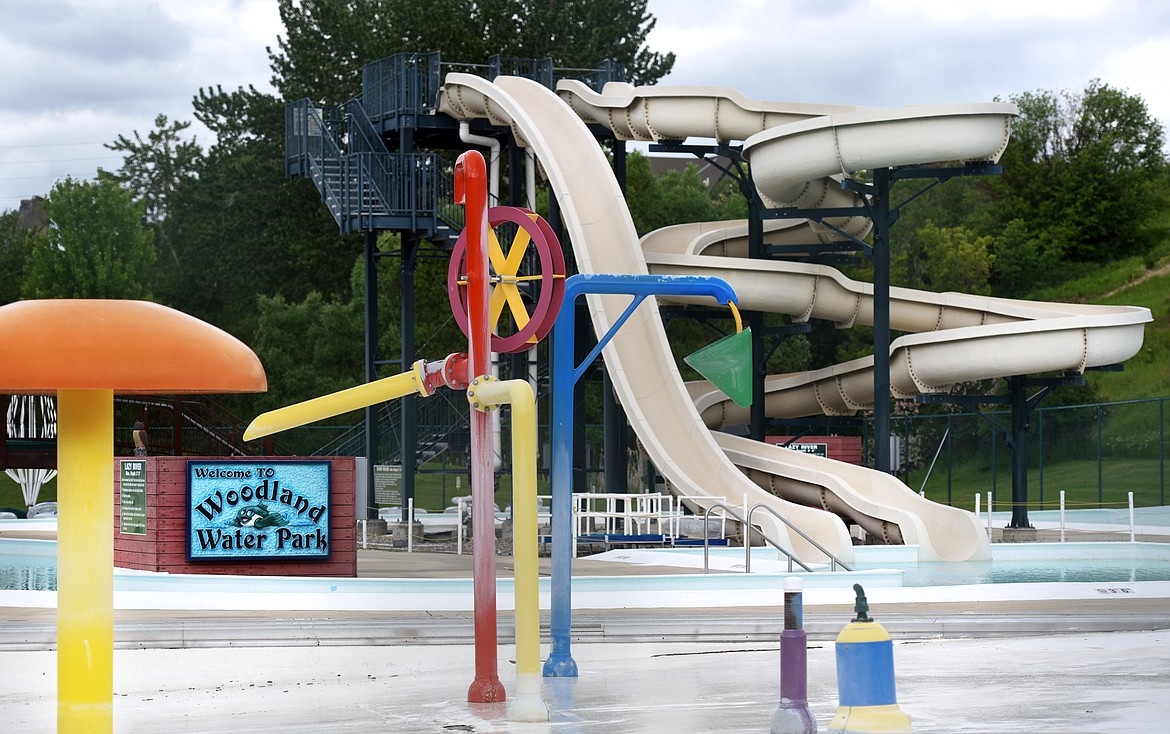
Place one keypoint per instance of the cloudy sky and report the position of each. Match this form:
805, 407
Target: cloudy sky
74, 74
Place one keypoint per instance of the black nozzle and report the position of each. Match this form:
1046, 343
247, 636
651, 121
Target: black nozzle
861, 606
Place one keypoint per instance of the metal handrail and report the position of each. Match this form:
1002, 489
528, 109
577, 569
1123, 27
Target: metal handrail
405, 83
833, 560
747, 539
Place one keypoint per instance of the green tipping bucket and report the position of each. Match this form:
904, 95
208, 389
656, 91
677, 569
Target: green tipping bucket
727, 363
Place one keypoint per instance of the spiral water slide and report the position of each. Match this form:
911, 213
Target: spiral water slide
798, 154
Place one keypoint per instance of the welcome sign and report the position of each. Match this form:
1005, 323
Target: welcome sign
248, 510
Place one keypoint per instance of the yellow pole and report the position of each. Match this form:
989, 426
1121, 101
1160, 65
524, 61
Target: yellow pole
343, 401
486, 394
85, 560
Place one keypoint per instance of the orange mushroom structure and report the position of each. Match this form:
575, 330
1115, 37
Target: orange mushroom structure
84, 351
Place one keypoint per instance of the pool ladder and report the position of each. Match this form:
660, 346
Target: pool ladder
834, 562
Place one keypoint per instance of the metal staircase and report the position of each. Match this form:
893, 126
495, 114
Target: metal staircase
364, 185
443, 423
374, 163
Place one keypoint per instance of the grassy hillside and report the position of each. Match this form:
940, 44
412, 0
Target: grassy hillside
1131, 282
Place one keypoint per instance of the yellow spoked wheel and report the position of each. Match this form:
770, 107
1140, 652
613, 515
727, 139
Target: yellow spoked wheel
523, 305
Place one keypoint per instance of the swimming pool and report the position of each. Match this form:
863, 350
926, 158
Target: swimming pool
891, 573
28, 565
1033, 563
31, 565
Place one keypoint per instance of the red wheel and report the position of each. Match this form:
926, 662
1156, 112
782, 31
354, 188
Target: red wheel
516, 327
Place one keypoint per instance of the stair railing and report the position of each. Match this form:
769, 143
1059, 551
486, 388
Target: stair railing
747, 539
834, 561
746, 522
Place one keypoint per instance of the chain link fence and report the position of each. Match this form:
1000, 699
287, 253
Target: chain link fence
1096, 454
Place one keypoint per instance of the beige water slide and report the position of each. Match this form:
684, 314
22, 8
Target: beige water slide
798, 154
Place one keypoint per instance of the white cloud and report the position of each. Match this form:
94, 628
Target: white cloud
78, 73
891, 53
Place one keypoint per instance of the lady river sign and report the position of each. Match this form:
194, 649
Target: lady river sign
249, 510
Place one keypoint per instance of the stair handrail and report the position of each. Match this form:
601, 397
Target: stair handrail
321, 148
446, 210
834, 561
380, 166
747, 539
404, 83
307, 133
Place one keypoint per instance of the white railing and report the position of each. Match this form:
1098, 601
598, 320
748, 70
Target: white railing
1063, 525
638, 514
621, 514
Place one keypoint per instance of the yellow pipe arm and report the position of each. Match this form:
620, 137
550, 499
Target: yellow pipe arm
343, 401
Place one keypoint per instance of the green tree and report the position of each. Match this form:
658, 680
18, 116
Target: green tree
15, 242
327, 42
153, 169
308, 348
581, 33
677, 197
1082, 175
945, 259
683, 198
241, 229
641, 192
96, 245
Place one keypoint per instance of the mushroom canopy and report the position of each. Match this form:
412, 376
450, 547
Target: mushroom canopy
132, 347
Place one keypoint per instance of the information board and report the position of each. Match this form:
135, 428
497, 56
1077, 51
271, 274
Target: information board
387, 484
248, 510
816, 449
132, 504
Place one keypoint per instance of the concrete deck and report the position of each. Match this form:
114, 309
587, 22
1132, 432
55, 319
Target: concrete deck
1004, 665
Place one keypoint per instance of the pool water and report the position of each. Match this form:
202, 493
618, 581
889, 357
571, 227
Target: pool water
30, 565
1027, 572
28, 576
1031, 563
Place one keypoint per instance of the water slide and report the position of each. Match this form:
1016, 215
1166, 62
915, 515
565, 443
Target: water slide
798, 153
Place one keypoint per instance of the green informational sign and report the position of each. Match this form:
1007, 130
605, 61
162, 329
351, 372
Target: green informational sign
387, 484
133, 503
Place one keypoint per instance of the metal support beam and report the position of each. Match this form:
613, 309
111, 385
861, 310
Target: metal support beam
758, 421
1019, 444
615, 466
370, 511
1021, 406
409, 450
880, 208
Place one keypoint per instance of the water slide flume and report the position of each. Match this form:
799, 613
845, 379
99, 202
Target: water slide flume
670, 113
957, 337
954, 337
638, 357
798, 155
